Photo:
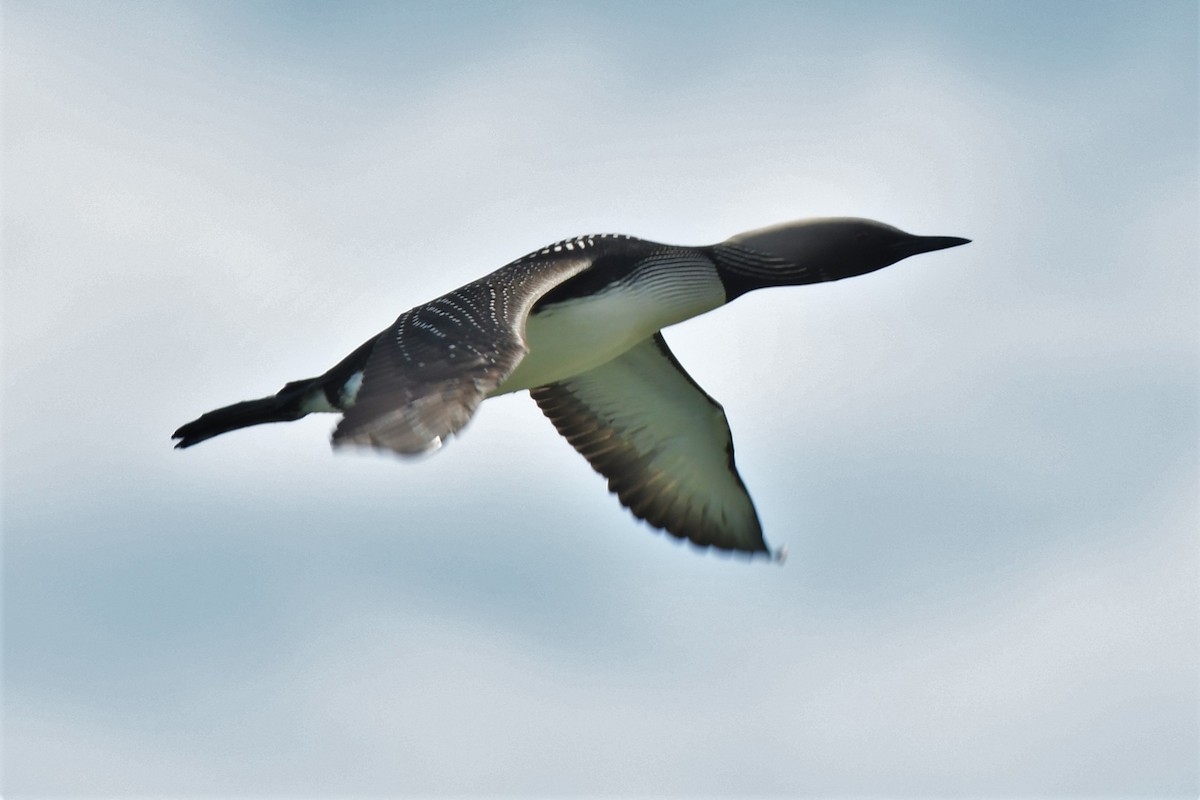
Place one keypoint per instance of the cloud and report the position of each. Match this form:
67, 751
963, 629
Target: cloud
983, 461
1001, 689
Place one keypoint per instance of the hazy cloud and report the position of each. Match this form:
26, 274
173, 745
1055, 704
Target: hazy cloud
984, 462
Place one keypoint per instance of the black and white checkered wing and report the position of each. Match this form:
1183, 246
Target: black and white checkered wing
430, 370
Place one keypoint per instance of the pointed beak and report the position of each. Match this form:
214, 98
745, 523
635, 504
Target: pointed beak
927, 244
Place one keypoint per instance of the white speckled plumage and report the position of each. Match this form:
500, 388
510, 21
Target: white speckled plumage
578, 324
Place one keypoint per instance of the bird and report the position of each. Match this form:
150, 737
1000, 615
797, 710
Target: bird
578, 324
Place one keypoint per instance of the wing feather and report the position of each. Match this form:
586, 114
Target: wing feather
432, 368
662, 442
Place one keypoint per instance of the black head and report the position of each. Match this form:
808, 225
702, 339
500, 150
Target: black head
817, 250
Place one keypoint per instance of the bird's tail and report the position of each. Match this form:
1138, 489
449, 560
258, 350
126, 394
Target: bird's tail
295, 400
283, 407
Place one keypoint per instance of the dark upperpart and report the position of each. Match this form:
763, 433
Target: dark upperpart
815, 251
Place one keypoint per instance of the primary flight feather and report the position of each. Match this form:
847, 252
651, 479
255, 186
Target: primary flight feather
578, 324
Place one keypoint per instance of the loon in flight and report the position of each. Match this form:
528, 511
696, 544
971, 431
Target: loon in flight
579, 324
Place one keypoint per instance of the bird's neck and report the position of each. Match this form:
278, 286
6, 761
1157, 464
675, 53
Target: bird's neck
743, 270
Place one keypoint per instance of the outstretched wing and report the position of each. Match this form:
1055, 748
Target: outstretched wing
663, 444
430, 370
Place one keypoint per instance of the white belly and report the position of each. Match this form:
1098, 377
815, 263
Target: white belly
579, 335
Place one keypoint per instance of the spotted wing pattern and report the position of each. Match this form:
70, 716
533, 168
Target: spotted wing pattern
662, 442
430, 370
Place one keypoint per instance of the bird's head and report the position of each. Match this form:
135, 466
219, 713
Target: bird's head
818, 250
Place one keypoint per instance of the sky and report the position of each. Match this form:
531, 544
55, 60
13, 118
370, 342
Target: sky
983, 461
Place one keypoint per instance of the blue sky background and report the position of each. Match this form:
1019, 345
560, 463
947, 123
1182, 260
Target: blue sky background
983, 461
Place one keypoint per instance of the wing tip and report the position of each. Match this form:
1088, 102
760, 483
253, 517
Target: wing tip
722, 549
